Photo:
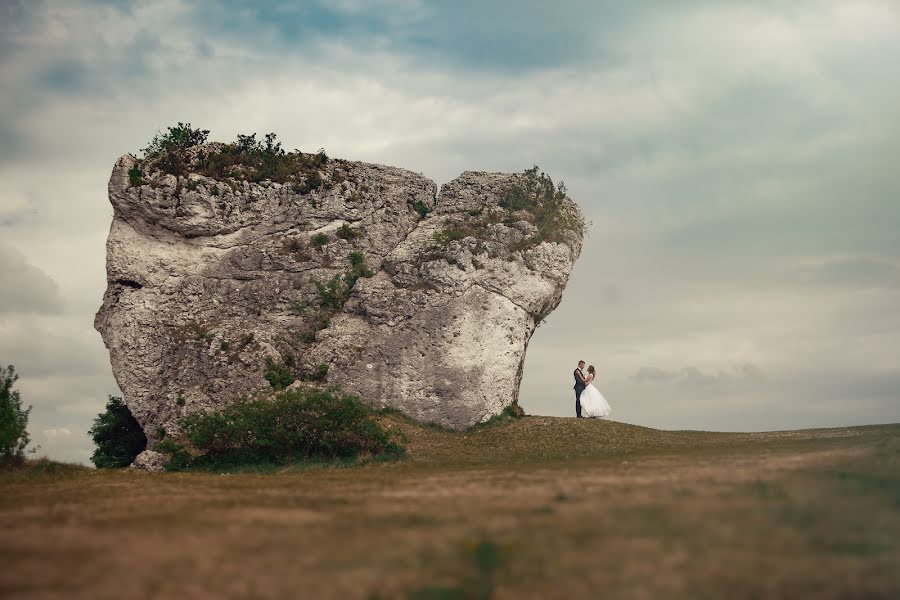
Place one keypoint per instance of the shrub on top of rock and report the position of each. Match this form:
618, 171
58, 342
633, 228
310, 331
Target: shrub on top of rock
544, 204
246, 158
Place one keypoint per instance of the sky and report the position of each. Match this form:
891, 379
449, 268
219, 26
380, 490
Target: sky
738, 162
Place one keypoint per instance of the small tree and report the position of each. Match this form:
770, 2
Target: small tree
13, 418
118, 436
169, 151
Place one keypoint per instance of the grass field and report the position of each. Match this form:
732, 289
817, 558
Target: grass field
541, 507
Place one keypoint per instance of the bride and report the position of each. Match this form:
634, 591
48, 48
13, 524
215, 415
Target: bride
593, 404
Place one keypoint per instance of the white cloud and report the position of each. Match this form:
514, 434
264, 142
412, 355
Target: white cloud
57, 432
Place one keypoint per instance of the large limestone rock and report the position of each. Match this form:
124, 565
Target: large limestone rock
207, 279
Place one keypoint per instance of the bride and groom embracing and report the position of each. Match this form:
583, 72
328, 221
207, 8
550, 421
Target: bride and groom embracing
589, 402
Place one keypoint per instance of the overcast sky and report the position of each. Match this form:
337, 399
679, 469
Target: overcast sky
738, 160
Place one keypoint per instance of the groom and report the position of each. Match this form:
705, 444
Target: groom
579, 387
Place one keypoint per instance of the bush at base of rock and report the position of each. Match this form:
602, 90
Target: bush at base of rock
118, 436
295, 425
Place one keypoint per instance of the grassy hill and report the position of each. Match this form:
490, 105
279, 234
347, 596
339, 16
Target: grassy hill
540, 507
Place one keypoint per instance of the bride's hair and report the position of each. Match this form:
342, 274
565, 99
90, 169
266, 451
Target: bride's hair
591, 369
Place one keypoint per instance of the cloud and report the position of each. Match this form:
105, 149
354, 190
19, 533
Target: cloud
57, 432
45, 347
693, 377
25, 288
857, 272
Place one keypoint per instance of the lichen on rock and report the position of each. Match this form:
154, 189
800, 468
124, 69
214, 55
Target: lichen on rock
368, 279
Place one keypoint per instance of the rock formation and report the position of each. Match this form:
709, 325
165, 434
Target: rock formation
350, 273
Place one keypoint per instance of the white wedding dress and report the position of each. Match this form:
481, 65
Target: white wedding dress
593, 404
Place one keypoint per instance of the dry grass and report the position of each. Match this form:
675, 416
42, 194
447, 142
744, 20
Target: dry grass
535, 508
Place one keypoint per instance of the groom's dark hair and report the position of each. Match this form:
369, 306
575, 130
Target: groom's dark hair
580, 362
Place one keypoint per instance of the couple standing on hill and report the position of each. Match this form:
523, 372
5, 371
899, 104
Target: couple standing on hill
589, 402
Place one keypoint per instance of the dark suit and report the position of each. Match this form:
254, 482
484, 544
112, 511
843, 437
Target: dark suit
579, 387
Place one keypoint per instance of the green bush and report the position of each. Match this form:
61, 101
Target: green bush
345, 232
320, 239
334, 293
312, 181
13, 418
168, 150
118, 436
279, 376
178, 455
176, 139
420, 207
246, 158
135, 176
358, 269
452, 234
544, 203
295, 425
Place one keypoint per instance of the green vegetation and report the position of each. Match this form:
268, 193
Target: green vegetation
135, 176
246, 158
420, 207
334, 293
320, 239
169, 151
513, 412
117, 435
177, 454
13, 419
177, 139
451, 234
296, 425
358, 269
319, 374
544, 204
345, 232
280, 375
484, 557
532, 197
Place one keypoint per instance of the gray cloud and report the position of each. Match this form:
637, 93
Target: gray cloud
25, 288
851, 272
691, 376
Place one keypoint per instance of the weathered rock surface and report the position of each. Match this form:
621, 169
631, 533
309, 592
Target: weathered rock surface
149, 460
206, 279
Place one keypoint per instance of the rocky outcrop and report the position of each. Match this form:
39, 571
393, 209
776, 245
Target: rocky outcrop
150, 460
373, 281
